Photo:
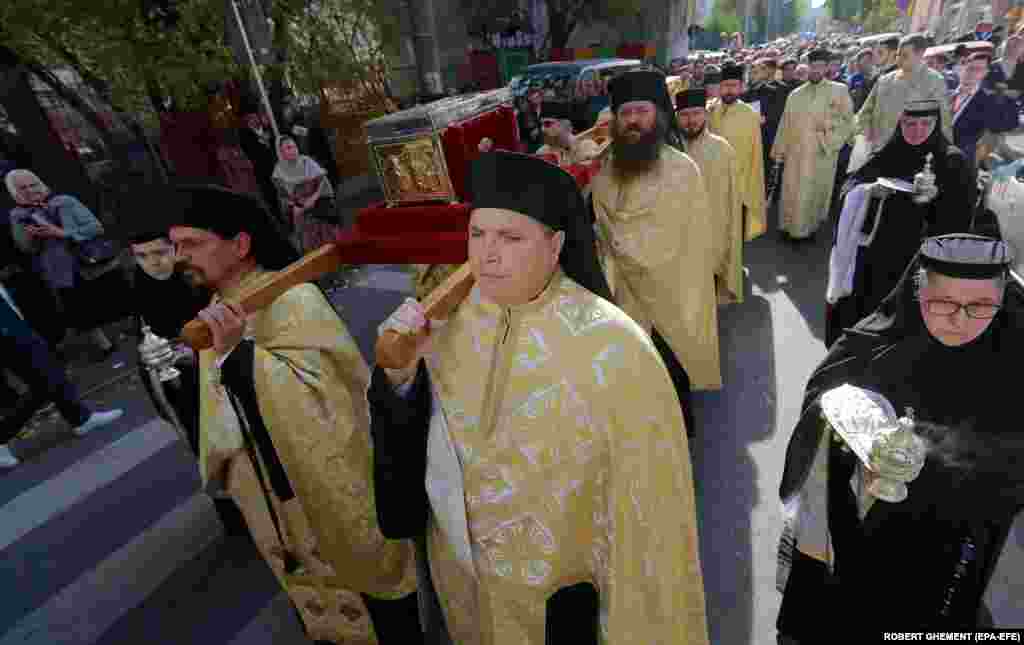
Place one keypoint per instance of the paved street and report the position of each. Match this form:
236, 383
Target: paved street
107, 539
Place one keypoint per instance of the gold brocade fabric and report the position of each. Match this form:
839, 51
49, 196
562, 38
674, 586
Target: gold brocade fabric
717, 162
575, 468
310, 382
881, 112
810, 154
658, 237
740, 125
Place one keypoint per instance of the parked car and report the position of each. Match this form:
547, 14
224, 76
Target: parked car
581, 85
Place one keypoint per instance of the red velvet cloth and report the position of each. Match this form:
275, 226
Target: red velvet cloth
379, 220
580, 172
583, 173
428, 233
461, 142
417, 234
408, 248
631, 50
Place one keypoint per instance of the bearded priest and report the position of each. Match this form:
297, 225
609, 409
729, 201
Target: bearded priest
658, 234
817, 121
717, 162
740, 125
283, 425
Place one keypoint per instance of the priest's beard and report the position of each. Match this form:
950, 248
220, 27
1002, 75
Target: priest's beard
729, 98
193, 275
637, 157
692, 134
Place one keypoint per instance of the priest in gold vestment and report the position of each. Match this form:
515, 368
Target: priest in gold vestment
538, 442
880, 115
717, 162
657, 234
817, 121
284, 427
740, 125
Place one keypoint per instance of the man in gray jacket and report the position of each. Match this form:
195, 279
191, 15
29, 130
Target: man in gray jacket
880, 114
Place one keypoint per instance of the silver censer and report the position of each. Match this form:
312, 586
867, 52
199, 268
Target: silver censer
158, 357
897, 458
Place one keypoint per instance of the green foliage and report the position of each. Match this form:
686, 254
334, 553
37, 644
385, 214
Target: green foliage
338, 40
794, 12
881, 16
723, 21
726, 7
112, 45
802, 7
564, 14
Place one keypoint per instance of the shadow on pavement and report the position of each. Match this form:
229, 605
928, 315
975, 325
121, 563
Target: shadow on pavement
363, 310
728, 422
768, 256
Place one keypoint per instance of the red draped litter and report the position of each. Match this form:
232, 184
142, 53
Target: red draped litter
417, 234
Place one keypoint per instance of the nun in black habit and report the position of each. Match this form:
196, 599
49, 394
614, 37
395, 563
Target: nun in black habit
893, 224
923, 563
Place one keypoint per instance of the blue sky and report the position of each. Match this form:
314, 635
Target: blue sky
817, 3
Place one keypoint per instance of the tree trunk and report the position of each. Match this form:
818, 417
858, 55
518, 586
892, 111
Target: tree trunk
560, 27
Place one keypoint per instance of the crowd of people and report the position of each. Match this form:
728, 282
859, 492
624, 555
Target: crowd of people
526, 478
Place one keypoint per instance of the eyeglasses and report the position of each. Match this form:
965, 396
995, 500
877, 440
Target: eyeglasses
978, 310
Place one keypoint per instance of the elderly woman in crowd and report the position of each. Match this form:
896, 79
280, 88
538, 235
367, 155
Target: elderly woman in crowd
306, 196
52, 228
946, 344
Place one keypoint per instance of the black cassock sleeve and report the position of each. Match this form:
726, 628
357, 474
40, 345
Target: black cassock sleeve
238, 376
952, 210
399, 426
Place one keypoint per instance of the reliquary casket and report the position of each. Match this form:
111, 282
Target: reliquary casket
421, 154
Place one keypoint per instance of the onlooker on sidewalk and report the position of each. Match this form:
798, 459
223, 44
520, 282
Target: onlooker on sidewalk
863, 81
28, 356
256, 141
50, 228
36, 300
977, 110
306, 197
940, 63
1005, 70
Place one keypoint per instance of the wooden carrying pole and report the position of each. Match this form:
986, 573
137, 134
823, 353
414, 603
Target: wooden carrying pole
393, 350
307, 268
